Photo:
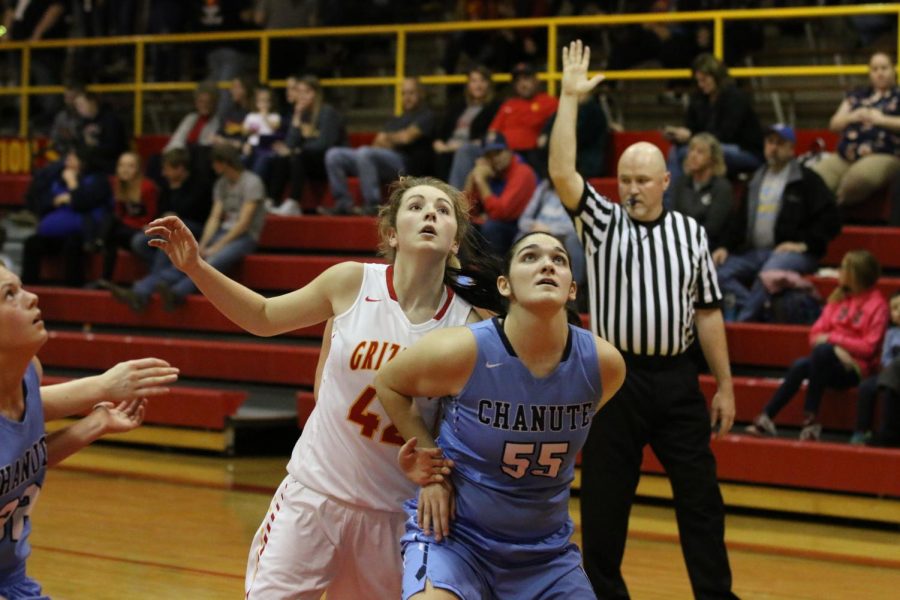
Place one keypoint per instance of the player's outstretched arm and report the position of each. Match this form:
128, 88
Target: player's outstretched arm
568, 182
330, 293
106, 418
127, 380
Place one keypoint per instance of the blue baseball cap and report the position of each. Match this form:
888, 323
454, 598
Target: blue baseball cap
493, 142
784, 131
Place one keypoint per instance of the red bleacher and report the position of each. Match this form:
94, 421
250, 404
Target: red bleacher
204, 408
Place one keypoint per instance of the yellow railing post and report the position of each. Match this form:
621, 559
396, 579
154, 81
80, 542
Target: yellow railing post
400, 72
551, 58
719, 38
24, 82
139, 88
264, 57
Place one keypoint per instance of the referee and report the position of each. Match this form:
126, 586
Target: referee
651, 280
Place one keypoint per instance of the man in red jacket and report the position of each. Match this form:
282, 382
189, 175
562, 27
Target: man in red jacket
522, 118
502, 182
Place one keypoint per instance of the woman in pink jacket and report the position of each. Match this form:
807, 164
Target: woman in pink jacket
845, 342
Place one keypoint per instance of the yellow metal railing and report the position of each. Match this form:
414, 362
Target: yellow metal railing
401, 34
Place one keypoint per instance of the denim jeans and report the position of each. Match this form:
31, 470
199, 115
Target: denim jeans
181, 285
371, 165
739, 275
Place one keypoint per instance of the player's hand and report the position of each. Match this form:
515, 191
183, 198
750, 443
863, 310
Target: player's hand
140, 378
423, 465
722, 411
719, 256
121, 417
437, 506
173, 237
575, 59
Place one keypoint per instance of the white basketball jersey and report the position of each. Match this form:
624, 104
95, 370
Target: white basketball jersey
349, 447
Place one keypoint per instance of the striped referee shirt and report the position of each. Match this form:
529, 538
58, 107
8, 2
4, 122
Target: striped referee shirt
644, 279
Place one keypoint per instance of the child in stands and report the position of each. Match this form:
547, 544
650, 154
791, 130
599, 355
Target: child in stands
885, 385
259, 126
845, 342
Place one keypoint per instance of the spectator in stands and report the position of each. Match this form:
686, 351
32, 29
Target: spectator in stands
868, 153
845, 341
720, 108
885, 385
789, 218
231, 232
545, 212
65, 131
703, 192
199, 127
101, 131
521, 119
69, 212
403, 145
231, 120
592, 133
184, 194
227, 59
458, 142
260, 128
503, 183
314, 127
33, 21
135, 203
287, 54
165, 17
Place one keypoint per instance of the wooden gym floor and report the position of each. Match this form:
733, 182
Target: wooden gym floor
114, 523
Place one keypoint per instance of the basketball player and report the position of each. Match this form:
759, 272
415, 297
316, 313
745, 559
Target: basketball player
521, 392
335, 522
25, 450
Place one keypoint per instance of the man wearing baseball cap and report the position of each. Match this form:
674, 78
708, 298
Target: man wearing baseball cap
503, 184
786, 224
522, 117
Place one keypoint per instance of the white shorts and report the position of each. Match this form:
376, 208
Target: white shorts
310, 543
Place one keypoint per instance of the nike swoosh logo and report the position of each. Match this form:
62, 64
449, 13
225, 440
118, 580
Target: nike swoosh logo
490, 365
373, 299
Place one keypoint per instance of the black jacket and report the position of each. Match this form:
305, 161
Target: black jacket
808, 212
730, 118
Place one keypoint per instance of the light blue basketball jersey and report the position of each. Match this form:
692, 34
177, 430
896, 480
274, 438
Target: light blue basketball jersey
514, 438
23, 462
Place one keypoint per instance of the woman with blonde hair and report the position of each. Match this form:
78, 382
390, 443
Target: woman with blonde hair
314, 127
703, 192
845, 342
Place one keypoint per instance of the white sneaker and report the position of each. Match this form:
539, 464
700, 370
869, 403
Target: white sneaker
288, 208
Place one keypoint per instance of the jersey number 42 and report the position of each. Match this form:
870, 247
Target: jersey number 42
371, 422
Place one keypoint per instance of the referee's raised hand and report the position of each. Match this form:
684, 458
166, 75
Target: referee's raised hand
576, 59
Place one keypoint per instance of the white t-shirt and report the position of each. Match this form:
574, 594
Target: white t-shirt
258, 125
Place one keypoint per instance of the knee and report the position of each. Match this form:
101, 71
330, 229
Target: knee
822, 354
333, 157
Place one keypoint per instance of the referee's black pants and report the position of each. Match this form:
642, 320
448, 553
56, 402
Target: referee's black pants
660, 404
